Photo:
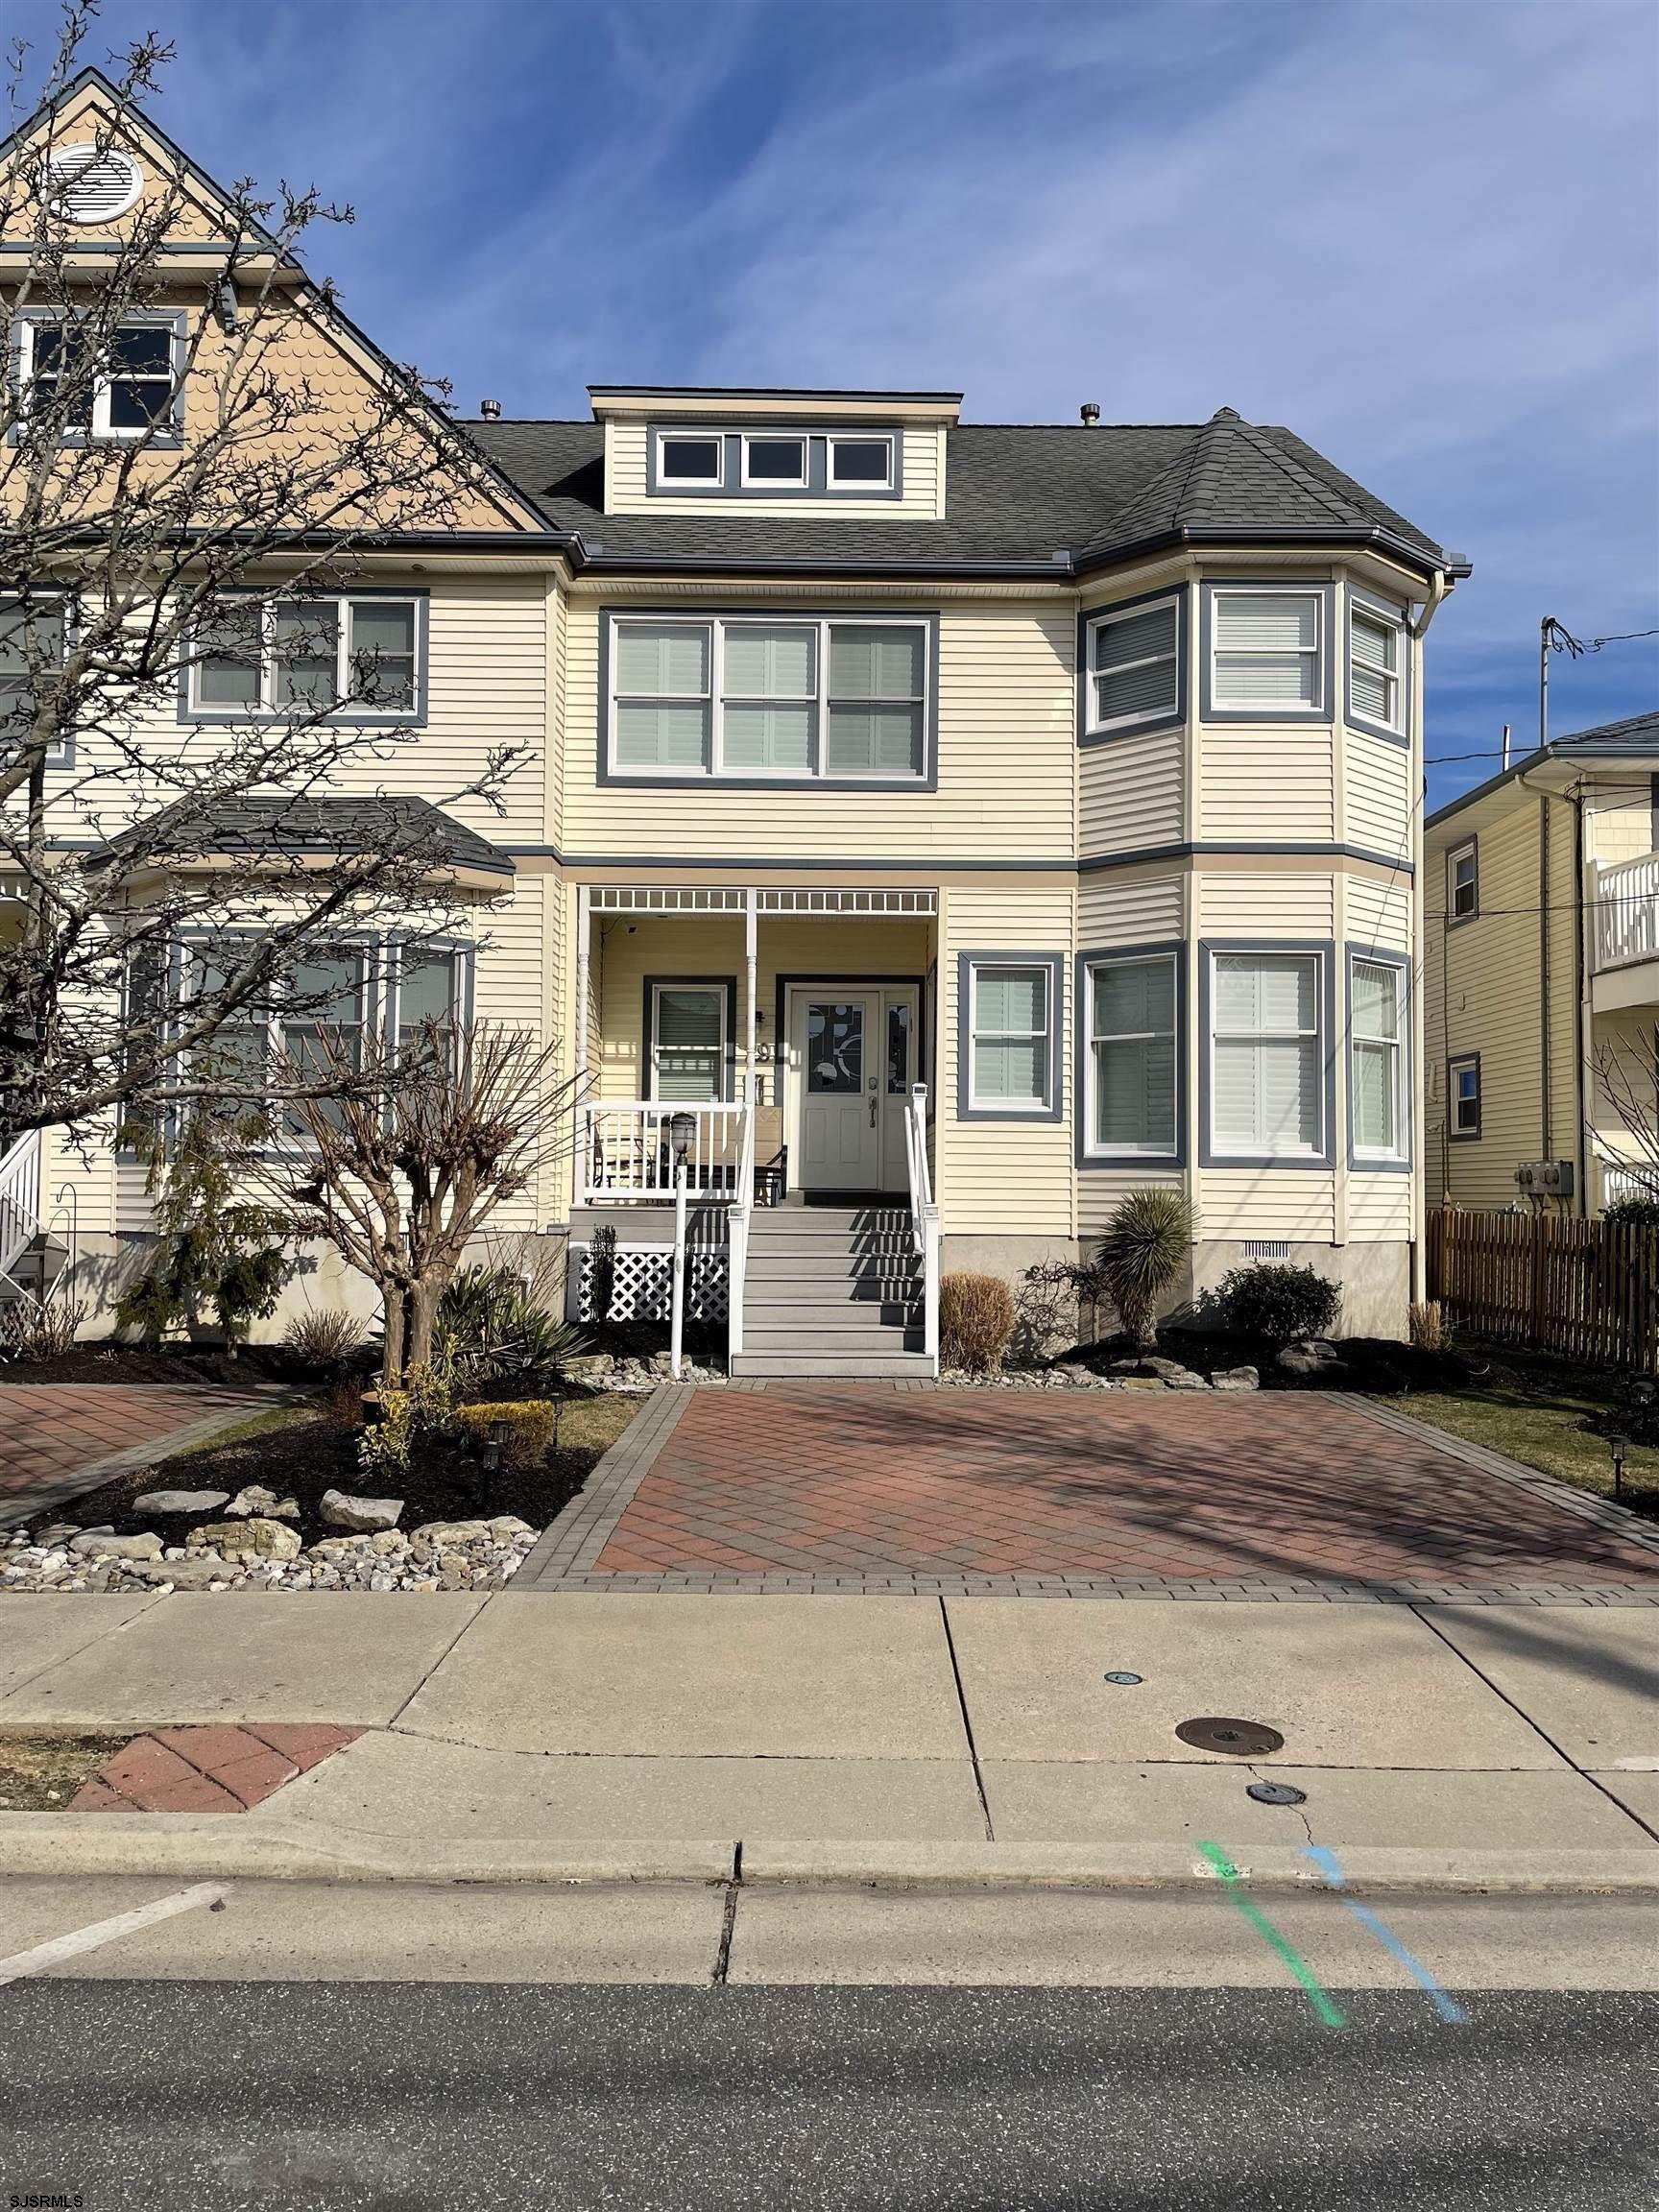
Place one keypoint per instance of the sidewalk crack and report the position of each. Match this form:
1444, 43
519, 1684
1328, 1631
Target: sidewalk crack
967, 1724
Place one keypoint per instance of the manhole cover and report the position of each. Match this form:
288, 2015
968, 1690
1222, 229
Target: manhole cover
1239, 1738
1124, 1681
1276, 1793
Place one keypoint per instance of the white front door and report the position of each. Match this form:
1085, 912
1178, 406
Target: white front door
837, 1062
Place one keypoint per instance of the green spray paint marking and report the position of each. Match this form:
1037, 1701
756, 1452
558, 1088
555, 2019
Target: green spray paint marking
1280, 1945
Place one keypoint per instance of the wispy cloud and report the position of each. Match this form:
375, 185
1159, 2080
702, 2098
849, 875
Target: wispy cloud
1424, 236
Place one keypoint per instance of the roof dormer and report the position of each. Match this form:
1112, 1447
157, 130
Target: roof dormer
701, 450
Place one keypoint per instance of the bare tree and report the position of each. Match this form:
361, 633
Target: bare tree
401, 1157
1626, 1074
198, 455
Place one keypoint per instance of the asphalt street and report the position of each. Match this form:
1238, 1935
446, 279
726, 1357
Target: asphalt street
185, 2094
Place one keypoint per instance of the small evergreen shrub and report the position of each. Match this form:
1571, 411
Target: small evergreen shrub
328, 1339
531, 1426
975, 1321
1643, 1210
602, 1273
1277, 1304
412, 1420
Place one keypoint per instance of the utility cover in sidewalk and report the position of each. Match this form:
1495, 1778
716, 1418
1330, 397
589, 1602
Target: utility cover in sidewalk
1276, 1793
1123, 1680
1239, 1738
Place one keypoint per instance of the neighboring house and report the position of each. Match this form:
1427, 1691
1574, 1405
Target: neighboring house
956, 824
1542, 973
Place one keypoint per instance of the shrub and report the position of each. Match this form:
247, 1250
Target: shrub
530, 1426
31, 1332
1428, 1327
1641, 1210
328, 1339
412, 1419
602, 1273
1142, 1252
1277, 1303
491, 1330
975, 1321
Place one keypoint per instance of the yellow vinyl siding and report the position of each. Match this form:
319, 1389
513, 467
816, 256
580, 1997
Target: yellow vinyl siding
921, 480
1006, 761
1258, 783
1130, 793
1377, 795
1379, 911
1246, 1202
1619, 823
1249, 905
1128, 908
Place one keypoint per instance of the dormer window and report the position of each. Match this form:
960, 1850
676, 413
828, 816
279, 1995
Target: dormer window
862, 463
775, 462
690, 463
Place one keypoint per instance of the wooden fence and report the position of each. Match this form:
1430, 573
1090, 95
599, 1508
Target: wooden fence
1589, 1290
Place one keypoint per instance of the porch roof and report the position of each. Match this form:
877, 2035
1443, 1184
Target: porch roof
735, 898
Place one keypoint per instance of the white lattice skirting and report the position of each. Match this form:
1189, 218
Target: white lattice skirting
644, 1284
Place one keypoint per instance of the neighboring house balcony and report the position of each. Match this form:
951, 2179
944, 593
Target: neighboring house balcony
1624, 934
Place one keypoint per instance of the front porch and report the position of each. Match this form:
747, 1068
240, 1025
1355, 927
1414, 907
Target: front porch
761, 1048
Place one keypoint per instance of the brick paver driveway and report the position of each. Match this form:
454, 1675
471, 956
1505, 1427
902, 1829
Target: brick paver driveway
58, 1437
1270, 1493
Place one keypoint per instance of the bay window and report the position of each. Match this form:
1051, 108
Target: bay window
1130, 1062
1133, 667
1267, 1055
1267, 654
1376, 667
1376, 1059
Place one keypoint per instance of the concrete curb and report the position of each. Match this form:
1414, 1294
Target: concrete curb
225, 1847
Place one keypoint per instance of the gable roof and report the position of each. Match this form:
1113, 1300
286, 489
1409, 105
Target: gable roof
1636, 737
273, 828
1056, 497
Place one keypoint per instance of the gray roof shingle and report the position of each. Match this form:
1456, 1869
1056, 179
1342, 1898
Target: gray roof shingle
411, 828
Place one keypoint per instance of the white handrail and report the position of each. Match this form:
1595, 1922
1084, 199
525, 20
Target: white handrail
924, 1216
737, 1239
628, 1150
1627, 912
20, 1199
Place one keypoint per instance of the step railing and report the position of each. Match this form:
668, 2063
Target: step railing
737, 1241
924, 1216
20, 1199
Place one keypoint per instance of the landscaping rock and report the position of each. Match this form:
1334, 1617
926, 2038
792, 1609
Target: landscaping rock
256, 1539
1141, 1382
1235, 1379
337, 1509
1181, 1378
1313, 1356
439, 1534
257, 1499
96, 1544
182, 1501
200, 1571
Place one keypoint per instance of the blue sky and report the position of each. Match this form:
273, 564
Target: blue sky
1427, 237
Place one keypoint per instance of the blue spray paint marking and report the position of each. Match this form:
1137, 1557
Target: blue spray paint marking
1449, 2010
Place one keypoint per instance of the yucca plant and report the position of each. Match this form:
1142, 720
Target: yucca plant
1143, 1250
492, 1329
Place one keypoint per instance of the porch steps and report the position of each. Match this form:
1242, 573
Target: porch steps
832, 1290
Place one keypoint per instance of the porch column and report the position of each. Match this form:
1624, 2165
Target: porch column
752, 957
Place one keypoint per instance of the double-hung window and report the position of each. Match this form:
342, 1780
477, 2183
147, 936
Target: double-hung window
316, 655
1463, 1082
747, 697
1267, 1043
32, 636
427, 988
1130, 1012
688, 1043
1464, 883
1010, 1020
1267, 650
1133, 670
322, 1011
117, 387
1376, 1106
1376, 667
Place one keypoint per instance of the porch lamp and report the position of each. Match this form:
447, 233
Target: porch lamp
681, 1128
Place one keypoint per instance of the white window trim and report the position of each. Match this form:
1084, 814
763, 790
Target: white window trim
1469, 850
723, 1048
1218, 1151
1092, 1148
715, 483
101, 431
1044, 1105
1260, 711
1396, 1044
1092, 726
1393, 679
720, 698
832, 483
715, 770
1457, 1061
348, 707
751, 483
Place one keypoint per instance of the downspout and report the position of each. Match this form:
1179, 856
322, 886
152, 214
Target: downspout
1418, 624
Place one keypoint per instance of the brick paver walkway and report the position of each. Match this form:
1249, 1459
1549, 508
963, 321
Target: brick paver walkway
1277, 1494
57, 1438
207, 1769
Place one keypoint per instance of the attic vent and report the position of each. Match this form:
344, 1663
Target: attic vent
91, 183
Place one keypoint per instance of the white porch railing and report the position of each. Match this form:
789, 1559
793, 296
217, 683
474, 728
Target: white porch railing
924, 1216
20, 1199
1627, 912
628, 1151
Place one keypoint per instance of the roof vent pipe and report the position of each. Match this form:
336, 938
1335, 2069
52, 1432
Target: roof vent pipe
490, 410
1089, 412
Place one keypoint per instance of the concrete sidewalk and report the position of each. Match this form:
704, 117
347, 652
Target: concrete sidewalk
513, 1737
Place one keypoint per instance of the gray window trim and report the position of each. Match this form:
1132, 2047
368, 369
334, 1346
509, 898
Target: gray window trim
166, 439
648, 1029
966, 964
1164, 948
1403, 1161
1472, 846
1179, 595
407, 718
1369, 602
1455, 1135
729, 484
816, 778
1324, 1161
1298, 717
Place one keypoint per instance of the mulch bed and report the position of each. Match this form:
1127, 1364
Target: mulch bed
131, 1364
